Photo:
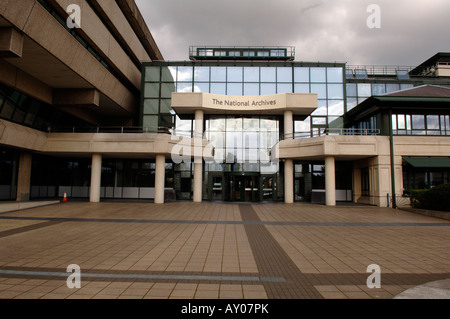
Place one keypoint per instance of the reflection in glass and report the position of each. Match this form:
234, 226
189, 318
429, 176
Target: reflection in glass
251, 88
218, 88
334, 75
268, 74
201, 74
433, 122
234, 124
301, 74
335, 107
184, 73
268, 88
216, 124
301, 88
234, 88
251, 74
378, 89
418, 122
234, 74
251, 124
151, 90
335, 91
218, 74
284, 74
152, 73
364, 89
201, 87
318, 75
320, 90
284, 88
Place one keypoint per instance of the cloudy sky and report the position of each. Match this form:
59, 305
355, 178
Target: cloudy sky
321, 30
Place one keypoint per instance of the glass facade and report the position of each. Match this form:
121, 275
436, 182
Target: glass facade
242, 79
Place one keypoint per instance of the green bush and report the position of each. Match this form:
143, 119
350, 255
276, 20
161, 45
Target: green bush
417, 197
436, 198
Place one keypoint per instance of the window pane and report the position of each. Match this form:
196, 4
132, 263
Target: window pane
218, 88
218, 74
284, 88
321, 108
251, 124
234, 74
217, 124
217, 139
251, 139
335, 91
251, 88
335, 107
234, 88
433, 122
318, 75
284, 74
378, 89
392, 88
184, 73
268, 74
201, 73
234, 124
251, 74
169, 74
233, 139
334, 75
394, 122
351, 103
184, 87
364, 89
151, 106
301, 88
320, 89
152, 73
301, 74
151, 90
167, 89
406, 86
351, 89
201, 87
401, 125
268, 88
418, 122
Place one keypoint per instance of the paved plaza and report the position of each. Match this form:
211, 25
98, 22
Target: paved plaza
218, 250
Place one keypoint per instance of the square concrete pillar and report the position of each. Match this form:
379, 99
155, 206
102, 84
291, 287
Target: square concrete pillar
24, 177
330, 181
96, 175
160, 176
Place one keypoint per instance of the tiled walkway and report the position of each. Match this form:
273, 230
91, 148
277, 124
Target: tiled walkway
218, 250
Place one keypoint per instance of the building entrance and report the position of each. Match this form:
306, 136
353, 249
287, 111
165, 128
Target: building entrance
239, 187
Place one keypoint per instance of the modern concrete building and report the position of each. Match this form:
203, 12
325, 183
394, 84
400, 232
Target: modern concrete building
93, 110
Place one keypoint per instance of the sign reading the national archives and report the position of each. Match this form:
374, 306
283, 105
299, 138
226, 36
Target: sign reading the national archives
298, 103
228, 102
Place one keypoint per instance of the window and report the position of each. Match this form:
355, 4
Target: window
234, 53
334, 75
318, 75
301, 74
284, 74
361, 73
268, 74
234, 74
402, 75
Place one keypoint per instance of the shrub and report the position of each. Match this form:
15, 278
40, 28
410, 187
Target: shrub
436, 198
417, 197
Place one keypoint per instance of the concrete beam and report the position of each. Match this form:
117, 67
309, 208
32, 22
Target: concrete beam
11, 43
76, 97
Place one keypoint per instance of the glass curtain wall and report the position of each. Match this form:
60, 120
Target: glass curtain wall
242, 79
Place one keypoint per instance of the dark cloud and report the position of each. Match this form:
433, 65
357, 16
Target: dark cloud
321, 30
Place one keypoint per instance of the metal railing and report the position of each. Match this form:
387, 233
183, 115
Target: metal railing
379, 69
333, 131
110, 129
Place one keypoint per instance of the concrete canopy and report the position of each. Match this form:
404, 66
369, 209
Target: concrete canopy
276, 104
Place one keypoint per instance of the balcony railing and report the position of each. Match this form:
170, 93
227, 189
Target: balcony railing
242, 53
333, 131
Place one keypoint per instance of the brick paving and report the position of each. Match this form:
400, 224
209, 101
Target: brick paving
218, 250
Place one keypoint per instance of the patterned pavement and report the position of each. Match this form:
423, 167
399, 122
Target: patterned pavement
218, 250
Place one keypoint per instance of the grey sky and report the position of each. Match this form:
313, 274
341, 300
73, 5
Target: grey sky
321, 30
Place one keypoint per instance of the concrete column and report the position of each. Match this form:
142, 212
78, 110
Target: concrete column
288, 163
288, 125
289, 181
198, 156
330, 181
96, 176
24, 177
160, 177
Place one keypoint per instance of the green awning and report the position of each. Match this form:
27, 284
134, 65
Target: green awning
431, 162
